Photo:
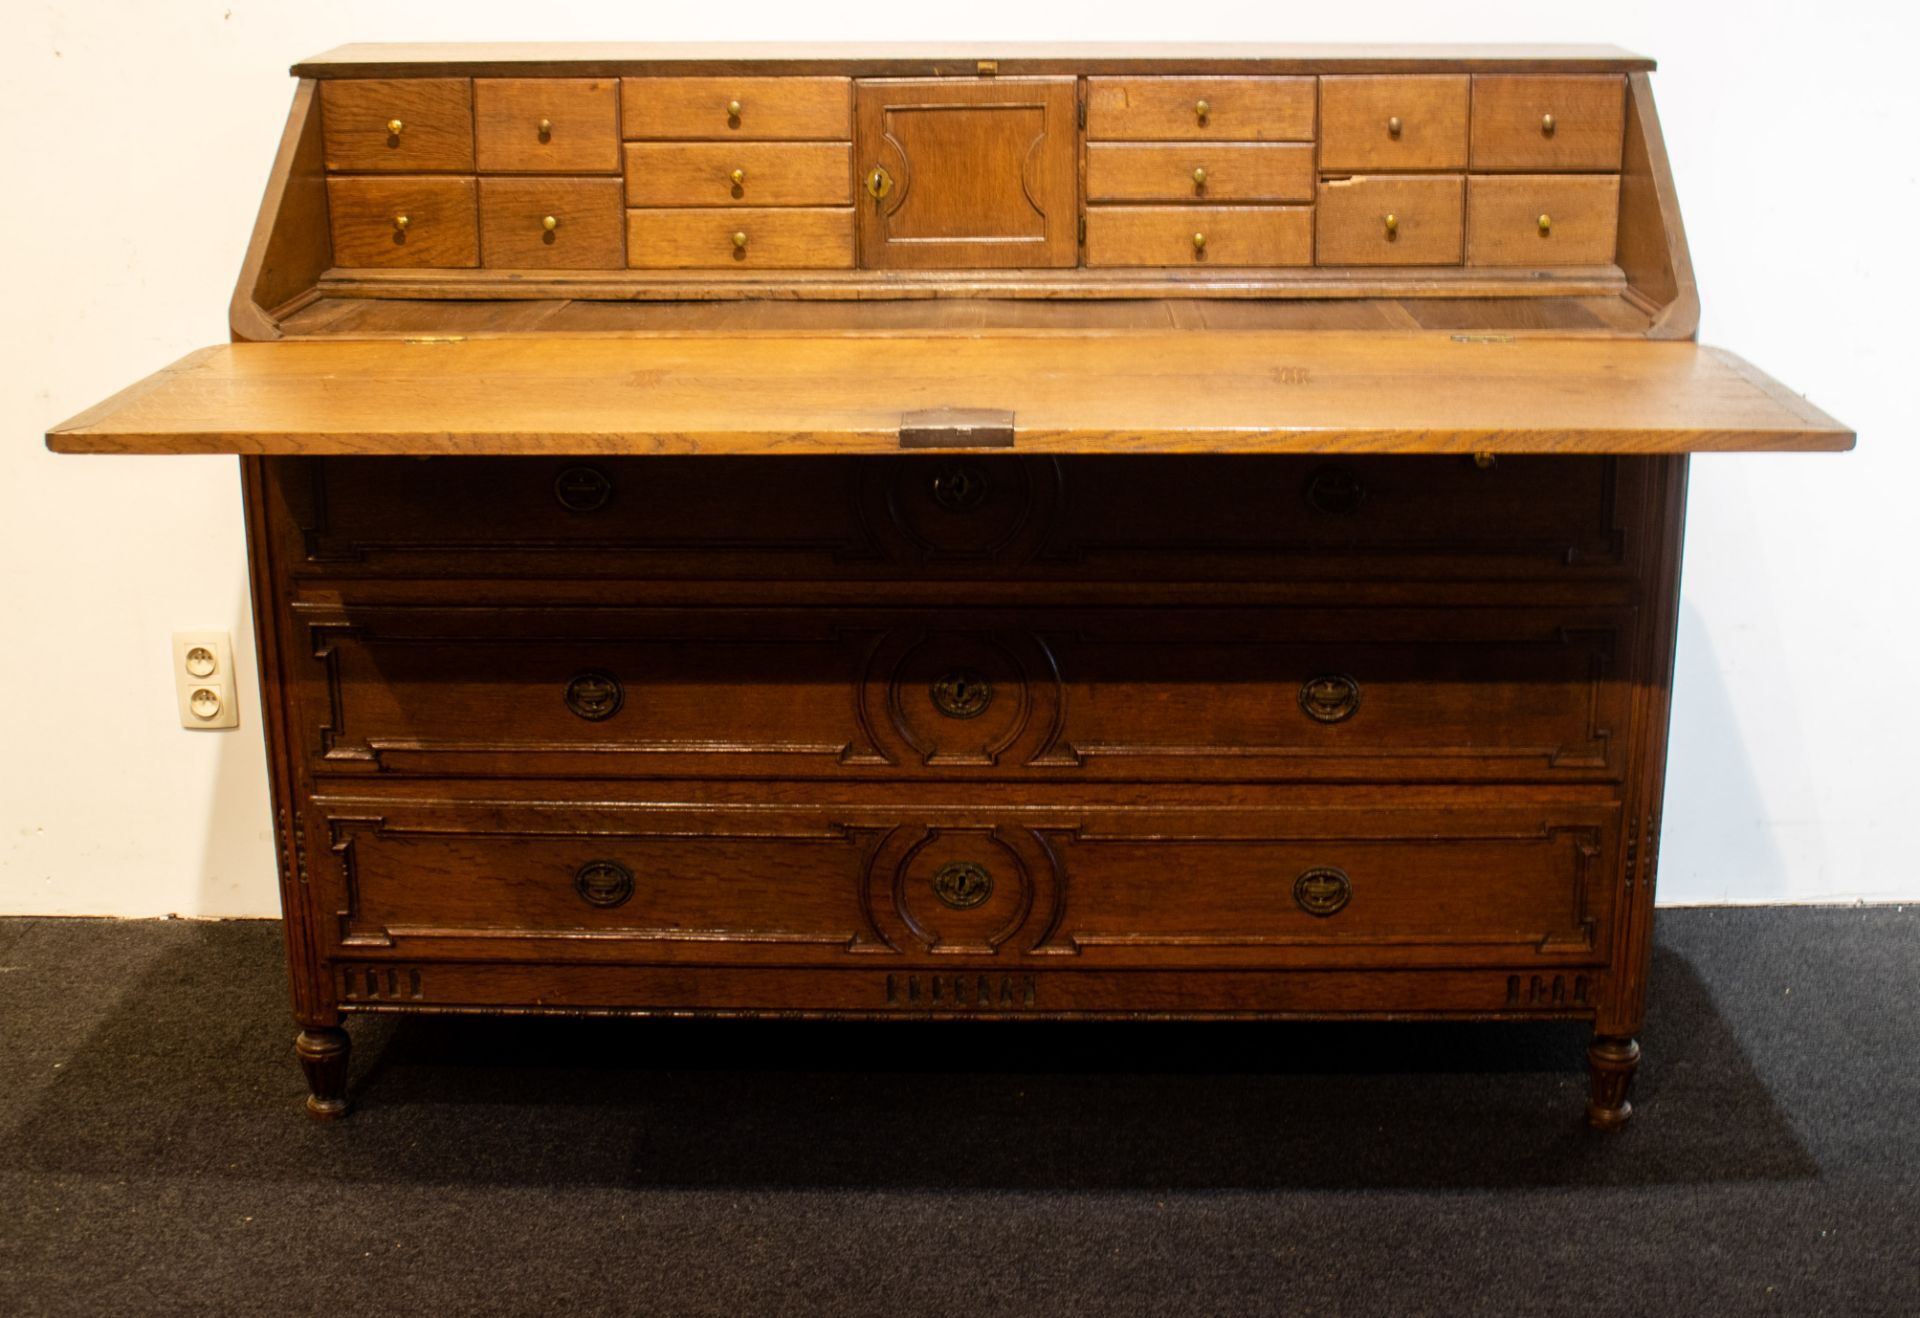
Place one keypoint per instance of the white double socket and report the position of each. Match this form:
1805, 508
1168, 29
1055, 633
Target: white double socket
203, 680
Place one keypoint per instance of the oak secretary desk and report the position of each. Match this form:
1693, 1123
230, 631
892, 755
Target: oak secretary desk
1035, 532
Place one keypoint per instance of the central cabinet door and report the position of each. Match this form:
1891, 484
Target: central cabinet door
959, 175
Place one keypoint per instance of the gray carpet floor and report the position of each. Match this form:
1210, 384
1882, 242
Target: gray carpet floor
153, 1157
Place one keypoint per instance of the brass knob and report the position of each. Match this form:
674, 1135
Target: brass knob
550, 223
546, 128
1546, 124
1199, 242
393, 127
740, 240
1199, 178
733, 109
400, 223
1201, 110
1546, 225
1393, 225
739, 177
1393, 126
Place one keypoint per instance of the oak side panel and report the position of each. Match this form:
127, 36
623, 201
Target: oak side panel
290, 246
1652, 242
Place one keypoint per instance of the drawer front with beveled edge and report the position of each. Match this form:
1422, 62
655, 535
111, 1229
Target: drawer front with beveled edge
1385, 694
419, 221
895, 888
397, 125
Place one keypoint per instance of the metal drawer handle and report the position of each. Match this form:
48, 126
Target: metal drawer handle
595, 696
1323, 891
603, 883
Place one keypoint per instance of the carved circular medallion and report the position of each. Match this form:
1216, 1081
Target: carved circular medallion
594, 695
961, 693
582, 489
1330, 698
962, 884
1335, 490
603, 882
958, 486
1323, 890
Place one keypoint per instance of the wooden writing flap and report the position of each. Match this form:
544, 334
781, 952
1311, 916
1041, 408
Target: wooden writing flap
1150, 392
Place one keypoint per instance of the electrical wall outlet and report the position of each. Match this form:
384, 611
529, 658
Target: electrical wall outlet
203, 680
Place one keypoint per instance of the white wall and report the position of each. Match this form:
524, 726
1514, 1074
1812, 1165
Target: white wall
138, 136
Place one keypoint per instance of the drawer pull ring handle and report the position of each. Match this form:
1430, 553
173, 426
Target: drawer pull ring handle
1393, 227
1546, 226
603, 883
595, 696
1199, 178
583, 489
961, 693
1546, 124
962, 884
393, 127
1330, 698
1201, 110
1323, 891
1393, 126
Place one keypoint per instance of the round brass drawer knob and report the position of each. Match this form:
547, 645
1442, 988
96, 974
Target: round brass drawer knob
1394, 126
733, 109
1323, 891
595, 696
1546, 225
603, 883
961, 693
550, 223
740, 240
1393, 226
1330, 698
1199, 178
393, 127
962, 884
1546, 124
546, 129
1201, 110
400, 223
1199, 242
739, 177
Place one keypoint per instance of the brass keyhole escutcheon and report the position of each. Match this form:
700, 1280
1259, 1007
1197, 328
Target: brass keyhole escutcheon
1335, 490
1323, 890
958, 487
961, 693
595, 696
1330, 698
582, 489
879, 182
962, 884
603, 883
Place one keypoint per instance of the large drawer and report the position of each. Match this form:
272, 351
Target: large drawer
1126, 519
893, 888
1227, 695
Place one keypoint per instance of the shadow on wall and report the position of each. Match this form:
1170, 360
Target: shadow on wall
1714, 845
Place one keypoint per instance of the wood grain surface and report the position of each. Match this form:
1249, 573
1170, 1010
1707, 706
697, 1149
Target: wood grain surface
1123, 392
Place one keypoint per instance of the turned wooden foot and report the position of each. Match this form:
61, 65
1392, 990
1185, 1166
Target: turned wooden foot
1611, 1060
323, 1056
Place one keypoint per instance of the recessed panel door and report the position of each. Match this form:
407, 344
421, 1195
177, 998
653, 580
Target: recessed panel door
961, 175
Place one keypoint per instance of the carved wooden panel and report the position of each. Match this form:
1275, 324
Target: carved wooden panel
966, 174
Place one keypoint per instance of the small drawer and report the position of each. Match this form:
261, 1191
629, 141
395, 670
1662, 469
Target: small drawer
1215, 109
1549, 123
1391, 221
401, 125
1373, 124
1196, 237
419, 221
1542, 219
552, 224
547, 125
741, 238
739, 174
1199, 172
747, 109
